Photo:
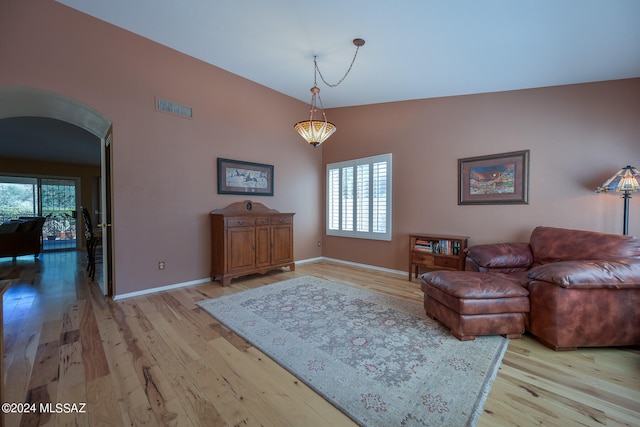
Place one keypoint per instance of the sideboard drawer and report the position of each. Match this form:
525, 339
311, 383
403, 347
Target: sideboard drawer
240, 222
262, 221
281, 220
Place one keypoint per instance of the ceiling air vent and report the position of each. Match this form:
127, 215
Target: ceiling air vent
173, 108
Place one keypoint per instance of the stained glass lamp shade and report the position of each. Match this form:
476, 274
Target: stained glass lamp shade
626, 180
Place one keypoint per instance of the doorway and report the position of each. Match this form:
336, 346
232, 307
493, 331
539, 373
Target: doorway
52, 198
31, 102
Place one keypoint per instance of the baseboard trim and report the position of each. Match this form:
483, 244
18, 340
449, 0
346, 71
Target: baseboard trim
161, 289
309, 260
367, 266
207, 280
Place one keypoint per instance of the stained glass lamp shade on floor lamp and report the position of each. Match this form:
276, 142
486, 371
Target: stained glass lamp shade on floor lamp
627, 181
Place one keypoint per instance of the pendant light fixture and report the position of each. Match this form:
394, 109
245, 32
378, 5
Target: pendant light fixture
316, 130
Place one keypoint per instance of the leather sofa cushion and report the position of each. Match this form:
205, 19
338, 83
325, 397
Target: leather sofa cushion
519, 277
472, 285
9, 227
501, 255
619, 274
549, 244
29, 225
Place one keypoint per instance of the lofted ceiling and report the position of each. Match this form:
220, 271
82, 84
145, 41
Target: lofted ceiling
414, 48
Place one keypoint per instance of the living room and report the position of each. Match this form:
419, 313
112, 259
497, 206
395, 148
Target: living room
165, 184
164, 166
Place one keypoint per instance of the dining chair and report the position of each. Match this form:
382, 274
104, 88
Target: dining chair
93, 238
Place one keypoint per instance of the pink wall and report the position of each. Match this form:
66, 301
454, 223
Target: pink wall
164, 167
578, 136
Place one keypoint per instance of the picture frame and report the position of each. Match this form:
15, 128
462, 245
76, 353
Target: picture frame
240, 177
496, 179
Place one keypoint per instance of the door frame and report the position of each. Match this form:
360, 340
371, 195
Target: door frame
21, 101
106, 204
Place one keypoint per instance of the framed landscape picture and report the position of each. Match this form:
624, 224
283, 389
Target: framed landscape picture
494, 179
238, 177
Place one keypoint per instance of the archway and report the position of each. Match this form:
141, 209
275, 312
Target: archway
16, 101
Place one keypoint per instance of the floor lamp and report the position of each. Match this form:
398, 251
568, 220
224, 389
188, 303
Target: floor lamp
626, 180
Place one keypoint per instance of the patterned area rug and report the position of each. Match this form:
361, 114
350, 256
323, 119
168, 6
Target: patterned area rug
378, 359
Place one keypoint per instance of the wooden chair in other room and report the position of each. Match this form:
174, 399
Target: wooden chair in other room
93, 237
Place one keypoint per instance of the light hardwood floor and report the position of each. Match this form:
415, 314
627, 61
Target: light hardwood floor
160, 360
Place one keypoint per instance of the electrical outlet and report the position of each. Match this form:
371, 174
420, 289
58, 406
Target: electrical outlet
318, 243
160, 265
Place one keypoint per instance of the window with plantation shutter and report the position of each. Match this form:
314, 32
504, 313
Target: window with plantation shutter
359, 198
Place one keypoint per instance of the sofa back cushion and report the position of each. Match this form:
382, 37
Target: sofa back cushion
549, 244
503, 257
590, 274
9, 227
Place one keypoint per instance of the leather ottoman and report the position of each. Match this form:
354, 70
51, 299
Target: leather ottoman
473, 303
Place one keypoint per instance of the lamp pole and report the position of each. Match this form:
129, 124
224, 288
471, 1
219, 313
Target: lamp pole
625, 224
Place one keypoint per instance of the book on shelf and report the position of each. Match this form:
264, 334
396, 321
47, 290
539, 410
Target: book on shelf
441, 246
423, 246
456, 247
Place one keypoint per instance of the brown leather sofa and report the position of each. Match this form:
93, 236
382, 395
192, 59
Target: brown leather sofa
584, 286
21, 237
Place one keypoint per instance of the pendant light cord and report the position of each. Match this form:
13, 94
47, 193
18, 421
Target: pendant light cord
315, 64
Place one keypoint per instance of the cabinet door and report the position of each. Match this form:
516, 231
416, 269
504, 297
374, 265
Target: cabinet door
281, 243
263, 246
241, 248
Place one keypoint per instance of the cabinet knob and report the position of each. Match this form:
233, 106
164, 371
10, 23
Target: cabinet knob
253, 247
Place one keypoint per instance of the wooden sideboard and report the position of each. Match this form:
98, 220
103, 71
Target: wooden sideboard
247, 238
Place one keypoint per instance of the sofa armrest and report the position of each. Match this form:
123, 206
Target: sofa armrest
500, 257
623, 273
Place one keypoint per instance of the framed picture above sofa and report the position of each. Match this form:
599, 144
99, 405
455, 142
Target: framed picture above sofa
238, 177
494, 179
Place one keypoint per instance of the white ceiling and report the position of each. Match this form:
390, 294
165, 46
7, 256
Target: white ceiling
41, 138
414, 48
